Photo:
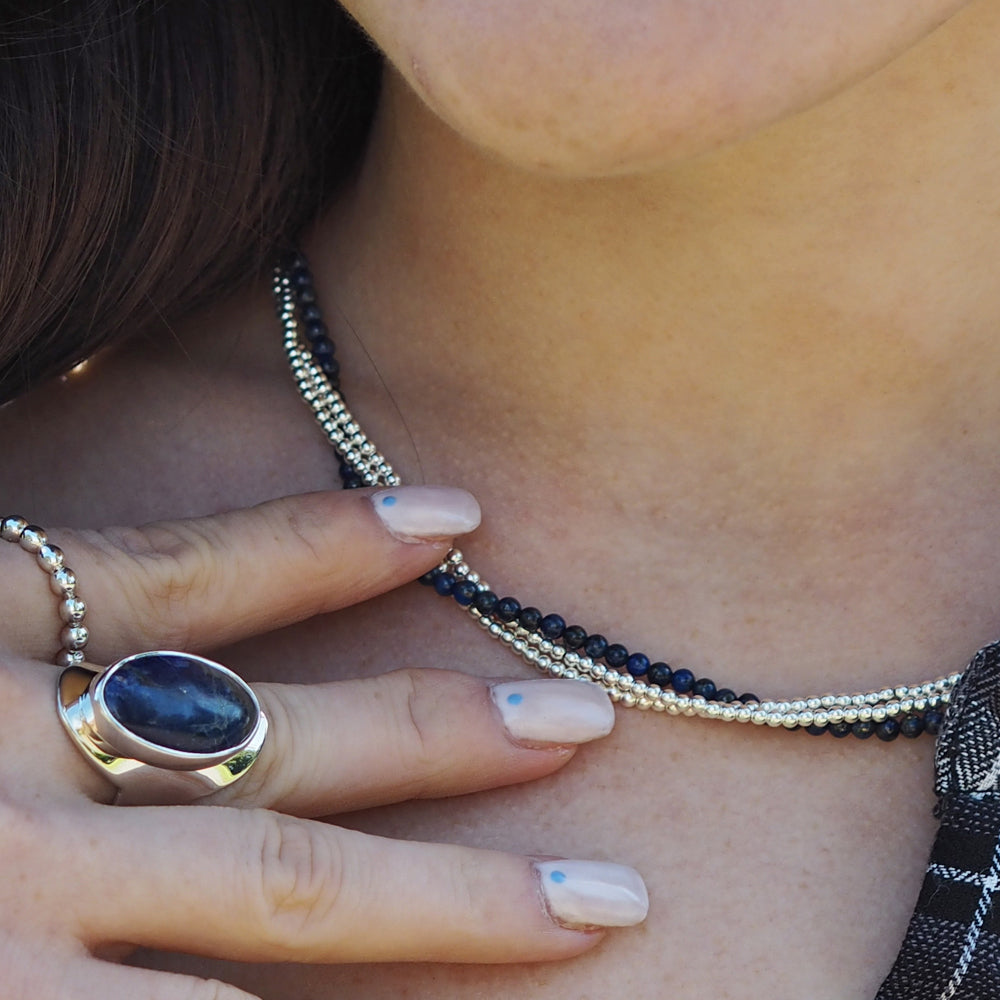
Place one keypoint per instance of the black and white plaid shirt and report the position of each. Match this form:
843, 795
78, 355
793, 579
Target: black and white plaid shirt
952, 946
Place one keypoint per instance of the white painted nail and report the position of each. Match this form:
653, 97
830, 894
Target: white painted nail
593, 893
423, 513
553, 710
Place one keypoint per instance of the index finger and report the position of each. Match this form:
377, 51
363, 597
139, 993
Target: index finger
206, 582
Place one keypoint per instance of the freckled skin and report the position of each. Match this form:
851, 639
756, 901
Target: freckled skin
591, 88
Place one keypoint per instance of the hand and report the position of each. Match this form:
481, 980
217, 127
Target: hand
241, 875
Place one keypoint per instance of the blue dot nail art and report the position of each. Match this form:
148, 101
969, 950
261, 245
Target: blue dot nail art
558, 876
388, 501
515, 699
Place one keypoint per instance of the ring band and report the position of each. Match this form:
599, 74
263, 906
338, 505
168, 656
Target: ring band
31, 538
163, 727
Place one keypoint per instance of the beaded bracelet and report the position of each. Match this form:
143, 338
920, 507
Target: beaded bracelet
72, 609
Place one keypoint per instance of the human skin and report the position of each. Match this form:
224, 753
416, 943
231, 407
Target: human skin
591, 88
738, 411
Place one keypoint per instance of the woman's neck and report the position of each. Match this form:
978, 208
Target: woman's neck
832, 275
784, 348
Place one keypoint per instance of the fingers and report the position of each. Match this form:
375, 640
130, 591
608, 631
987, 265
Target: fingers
206, 582
413, 734
266, 887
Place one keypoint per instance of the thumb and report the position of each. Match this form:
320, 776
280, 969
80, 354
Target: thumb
209, 581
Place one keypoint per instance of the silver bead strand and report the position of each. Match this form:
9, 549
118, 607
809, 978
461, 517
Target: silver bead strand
62, 580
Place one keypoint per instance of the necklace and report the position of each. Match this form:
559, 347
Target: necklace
545, 641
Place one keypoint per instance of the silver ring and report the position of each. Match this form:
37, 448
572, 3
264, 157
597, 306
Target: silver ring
163, 727
31, 538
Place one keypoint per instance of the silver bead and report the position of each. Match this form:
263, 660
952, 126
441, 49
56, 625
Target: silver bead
50, 558
11, 528
63, 582
32, 538
70, 658
74, 636
72, 610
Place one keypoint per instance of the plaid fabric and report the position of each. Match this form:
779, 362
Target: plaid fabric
952, 946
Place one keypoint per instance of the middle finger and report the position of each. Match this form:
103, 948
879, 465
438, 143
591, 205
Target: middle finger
409, 734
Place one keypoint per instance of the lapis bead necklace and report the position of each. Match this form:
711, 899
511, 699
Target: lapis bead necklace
545, 640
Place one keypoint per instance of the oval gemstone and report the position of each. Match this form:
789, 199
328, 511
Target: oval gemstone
181, 703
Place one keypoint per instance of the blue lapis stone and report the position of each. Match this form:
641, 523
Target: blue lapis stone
683, 681
181, 703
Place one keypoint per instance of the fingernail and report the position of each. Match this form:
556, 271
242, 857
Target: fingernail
423, 513
593, 893
553, 710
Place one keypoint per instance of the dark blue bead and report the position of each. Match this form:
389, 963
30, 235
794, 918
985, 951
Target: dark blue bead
508, 608
912, 726
933, 720
840, 729
322, 348
887, 730
552, 626
443, 583
596, 646
181, 703
683, 681
637, 664
464, 592
351, 480
725, 695
574, 636
705, 687
616, 655
310, 314
428, 578
862, 730
660, 673
305, 296
329, 367
529, 618
301, 278
316, 330
816, 730
747, 698
485, 602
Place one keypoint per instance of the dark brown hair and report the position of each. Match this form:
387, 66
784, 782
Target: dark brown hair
156, 153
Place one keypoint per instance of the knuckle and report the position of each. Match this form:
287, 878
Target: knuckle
167, 572
300, 879
421, 725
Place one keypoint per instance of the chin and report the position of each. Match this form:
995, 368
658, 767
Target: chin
592, 88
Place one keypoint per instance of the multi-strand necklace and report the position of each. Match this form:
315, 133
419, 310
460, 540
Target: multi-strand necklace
545, 641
